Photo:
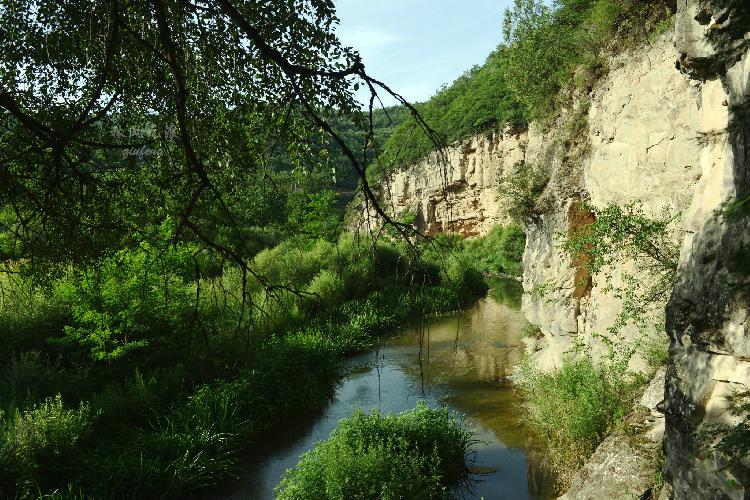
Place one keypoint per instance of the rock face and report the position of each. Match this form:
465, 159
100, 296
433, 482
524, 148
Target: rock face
456, 191
669, 127
645, 125
708, 316
623, 464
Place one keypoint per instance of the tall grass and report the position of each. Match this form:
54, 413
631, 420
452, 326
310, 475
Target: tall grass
172, 377
573, 408
417, 454
41, 445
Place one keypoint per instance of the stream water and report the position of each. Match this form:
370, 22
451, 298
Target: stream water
463, 363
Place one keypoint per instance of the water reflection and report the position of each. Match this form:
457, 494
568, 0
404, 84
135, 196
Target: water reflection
462, 361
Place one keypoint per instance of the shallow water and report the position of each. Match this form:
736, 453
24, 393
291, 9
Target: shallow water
463, 363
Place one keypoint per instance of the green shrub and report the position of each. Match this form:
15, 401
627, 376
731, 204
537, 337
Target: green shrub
520, 191
327, 288
575, 407
196, 443
625, 233
40, 445
531, 331
500, 251
128, 301
315, 214
28, 378
417, 454
545, 43
29, 315
173, 458
655, 350
291, 264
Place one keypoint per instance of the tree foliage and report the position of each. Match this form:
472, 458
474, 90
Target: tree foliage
475, 101
118, 114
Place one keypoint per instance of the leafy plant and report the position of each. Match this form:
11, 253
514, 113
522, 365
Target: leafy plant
733, 442
500, 251
40, 445
416, 454
520, 190
620, 233
573, 408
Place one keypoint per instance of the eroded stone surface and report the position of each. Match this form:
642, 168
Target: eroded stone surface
648, 125
458, 191
625, 465
616, 470
707, 316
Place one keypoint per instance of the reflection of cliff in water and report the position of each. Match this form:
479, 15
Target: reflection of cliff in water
466, 361
480, 345
462, 361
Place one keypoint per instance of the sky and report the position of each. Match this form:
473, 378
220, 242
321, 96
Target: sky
415, 46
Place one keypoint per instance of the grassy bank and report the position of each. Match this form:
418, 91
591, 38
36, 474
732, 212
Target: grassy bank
145, 374
573, 408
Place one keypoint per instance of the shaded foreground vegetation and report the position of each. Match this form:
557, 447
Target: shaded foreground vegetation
418, 454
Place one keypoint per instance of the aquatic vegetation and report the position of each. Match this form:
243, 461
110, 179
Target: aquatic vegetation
417, 454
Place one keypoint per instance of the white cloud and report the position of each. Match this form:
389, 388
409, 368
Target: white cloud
368, 40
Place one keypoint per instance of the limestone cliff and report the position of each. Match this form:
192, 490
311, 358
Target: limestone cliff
457, 190
668, 126
648, 125
708, 315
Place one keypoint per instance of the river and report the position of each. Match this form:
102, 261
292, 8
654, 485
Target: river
463, 361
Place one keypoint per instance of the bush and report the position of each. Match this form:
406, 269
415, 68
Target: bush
128, 301
417, 454
327, 288
29, 315
520, 191
575, 407
39, 445
620, 234
291, 264
500, 251
28, 378
196, 443
544, 45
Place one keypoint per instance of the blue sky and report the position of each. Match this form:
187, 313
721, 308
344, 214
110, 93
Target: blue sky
415, 46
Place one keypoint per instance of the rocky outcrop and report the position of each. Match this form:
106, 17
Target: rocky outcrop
668, 128
457, 190
645, 127
708, 316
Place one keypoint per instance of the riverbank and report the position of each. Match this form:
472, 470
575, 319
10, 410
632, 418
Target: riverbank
124, 382
464, 363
